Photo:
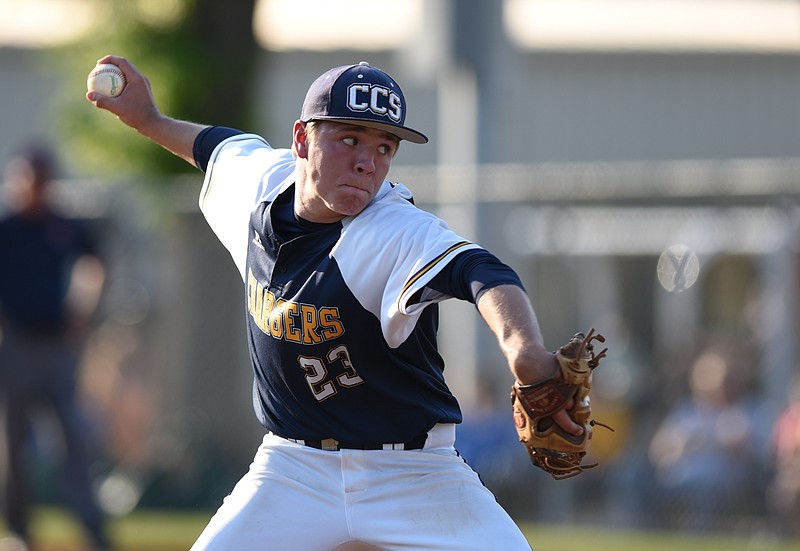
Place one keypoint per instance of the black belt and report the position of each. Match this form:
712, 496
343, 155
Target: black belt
330, 444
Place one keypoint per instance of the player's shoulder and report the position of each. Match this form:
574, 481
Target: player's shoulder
254, 167
395, 199
394, 211
392, 222
249, 147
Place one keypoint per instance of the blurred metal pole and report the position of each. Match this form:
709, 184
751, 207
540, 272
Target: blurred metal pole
456, 198
476, 64
778, 320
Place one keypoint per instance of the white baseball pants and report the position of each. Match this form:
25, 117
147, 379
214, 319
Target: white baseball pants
297, 498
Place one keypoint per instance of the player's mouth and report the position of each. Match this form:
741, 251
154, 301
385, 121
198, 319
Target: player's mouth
357, 187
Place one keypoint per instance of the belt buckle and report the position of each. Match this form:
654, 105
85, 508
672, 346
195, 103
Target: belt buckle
329, 445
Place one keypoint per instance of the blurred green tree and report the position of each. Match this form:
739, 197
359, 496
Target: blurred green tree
200, 57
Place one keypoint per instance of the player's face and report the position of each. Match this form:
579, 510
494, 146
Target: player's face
342, 167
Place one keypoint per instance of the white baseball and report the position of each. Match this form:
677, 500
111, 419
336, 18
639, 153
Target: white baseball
106, 79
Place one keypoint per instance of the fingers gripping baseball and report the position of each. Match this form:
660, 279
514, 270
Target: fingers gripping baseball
545, 412
131, 100
106, 79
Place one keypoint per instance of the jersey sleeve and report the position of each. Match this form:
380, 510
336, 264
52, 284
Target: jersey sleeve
471, 274
242, 171
391, 251
207, 141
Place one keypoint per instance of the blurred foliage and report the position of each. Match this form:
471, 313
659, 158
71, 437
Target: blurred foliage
199, 56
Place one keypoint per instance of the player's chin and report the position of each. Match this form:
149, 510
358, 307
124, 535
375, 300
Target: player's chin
353, 204
357, 546
351, 211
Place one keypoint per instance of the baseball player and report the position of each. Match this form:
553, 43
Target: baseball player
342, 276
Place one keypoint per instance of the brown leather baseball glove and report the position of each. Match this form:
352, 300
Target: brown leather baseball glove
549, 446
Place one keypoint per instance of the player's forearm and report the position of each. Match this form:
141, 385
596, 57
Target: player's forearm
174, 135
507, 311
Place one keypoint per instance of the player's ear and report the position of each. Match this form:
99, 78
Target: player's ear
300, 137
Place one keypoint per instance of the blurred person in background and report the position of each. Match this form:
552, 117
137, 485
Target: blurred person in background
705, 453
489, 443
51, 280
783, 495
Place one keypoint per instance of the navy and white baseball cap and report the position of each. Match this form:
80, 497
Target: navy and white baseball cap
362, 95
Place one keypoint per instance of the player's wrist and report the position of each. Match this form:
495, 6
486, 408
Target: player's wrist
534, 367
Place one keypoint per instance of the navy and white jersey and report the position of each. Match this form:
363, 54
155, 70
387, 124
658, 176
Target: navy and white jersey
340, 324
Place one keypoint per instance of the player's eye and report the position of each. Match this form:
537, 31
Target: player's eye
350, 141
384, 149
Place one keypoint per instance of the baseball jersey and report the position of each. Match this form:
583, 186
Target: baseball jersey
341, 324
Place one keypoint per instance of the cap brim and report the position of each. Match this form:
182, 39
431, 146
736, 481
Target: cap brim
402, 132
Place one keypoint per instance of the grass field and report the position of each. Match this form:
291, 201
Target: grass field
550, 538
54, 530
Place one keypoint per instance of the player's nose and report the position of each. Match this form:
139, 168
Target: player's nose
365, 162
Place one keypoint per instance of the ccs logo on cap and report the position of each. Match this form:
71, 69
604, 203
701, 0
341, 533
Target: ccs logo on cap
377, 99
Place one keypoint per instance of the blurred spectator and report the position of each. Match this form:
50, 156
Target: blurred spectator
705, 454
487, 440
50, 284
784, 490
